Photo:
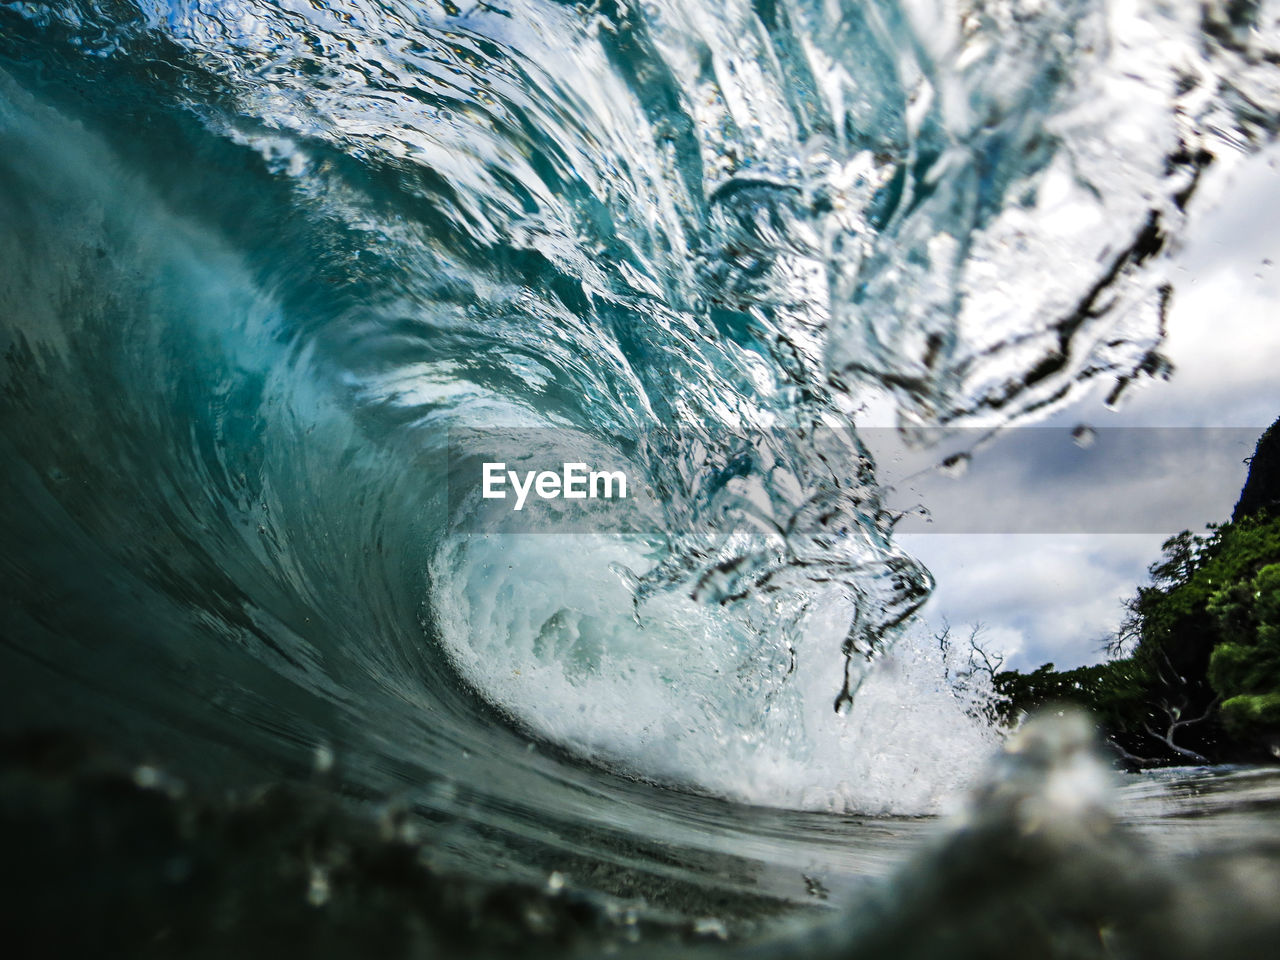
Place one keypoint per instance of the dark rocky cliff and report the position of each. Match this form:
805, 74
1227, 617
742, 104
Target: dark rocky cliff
1262, 490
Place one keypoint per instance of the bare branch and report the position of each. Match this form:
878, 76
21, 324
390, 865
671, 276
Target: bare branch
1167, 740
1204, 716
1131, 757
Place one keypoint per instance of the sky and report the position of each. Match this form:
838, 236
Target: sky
1057, 596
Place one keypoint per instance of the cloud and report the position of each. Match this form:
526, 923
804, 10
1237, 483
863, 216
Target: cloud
1037, 480
1053, 597
1050, 597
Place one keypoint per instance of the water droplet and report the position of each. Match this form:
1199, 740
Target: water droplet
323, 758
710, 927
1084, 436
815, 888
318, 889
955, 466
537, 919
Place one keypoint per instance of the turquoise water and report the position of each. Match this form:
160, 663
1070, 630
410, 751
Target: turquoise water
262, 261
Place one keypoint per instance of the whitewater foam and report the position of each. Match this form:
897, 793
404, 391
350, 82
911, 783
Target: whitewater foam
546, 627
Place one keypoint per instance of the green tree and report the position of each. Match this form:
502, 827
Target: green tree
1245, 666
1194, 672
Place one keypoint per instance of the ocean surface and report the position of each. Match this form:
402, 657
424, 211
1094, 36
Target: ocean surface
275, 277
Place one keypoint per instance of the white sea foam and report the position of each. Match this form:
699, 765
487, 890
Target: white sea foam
543, 626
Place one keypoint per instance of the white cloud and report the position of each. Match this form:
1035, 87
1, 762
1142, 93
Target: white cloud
1051, 598
1045, 597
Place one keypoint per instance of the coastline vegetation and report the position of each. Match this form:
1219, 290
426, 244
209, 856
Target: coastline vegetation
1193, 674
